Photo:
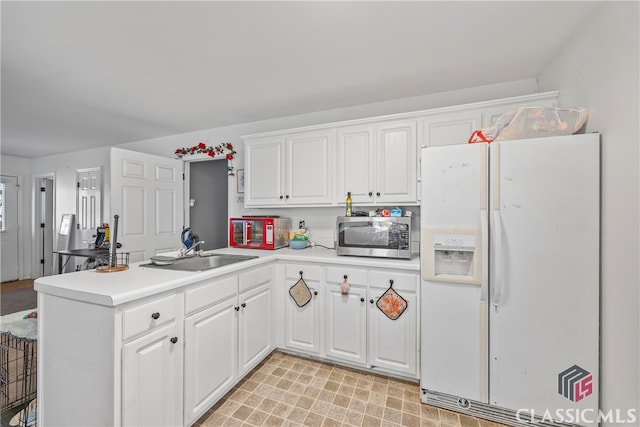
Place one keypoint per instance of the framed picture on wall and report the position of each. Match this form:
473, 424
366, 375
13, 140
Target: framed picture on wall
240, 182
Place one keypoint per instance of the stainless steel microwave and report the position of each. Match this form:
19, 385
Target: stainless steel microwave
388, 237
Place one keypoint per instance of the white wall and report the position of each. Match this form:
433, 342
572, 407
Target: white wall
21, 168
599, 69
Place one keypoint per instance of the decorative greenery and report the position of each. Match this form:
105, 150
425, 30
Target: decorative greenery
225, 149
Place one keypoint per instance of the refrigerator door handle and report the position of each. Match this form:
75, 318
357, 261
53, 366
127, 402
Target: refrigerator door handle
484, 229
498, 254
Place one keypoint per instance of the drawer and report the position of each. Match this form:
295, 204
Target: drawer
148, 315
401, 281
208, 293
254, 278
355, 276
309, 272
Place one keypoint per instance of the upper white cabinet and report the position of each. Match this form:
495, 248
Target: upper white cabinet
376, 158
356, 163
264, 172
450, 128
377, 163
295, 169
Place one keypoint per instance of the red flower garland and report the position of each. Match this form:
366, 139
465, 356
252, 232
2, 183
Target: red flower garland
218, 150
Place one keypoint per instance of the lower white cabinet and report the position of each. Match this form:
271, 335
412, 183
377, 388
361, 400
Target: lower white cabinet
164, 360
346, 315
348, 327
255, 318
393, 344
211, 345
152, 378
303, 324
227, 333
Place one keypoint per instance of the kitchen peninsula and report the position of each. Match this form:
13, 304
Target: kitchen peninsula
149, 346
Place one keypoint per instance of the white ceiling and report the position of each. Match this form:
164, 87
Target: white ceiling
78, 75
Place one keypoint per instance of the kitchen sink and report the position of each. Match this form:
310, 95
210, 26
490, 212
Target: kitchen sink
201, 263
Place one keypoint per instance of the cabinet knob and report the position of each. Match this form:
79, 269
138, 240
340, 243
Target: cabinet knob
361, 299
345, 277
378, 194
174, 340
371, 301
315, 292
286, 197
370, 193
236, 308
281, 197
243, 305
155, 316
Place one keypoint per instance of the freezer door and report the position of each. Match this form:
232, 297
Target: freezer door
454, 342
544, 311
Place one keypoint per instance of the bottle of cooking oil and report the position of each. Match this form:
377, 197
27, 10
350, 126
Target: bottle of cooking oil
349, 203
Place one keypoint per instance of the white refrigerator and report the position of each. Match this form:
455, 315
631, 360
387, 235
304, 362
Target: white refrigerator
510, 238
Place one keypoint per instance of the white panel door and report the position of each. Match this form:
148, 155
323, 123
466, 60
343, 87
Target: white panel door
152, 379
147, 194
9, 228
356, 157
255, 334
396, 166
210, 359
88, 205
545, 300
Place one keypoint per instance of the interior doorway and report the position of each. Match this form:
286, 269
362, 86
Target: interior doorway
208, 202
9, 261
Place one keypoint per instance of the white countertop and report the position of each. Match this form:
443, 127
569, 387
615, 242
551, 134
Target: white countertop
112, 289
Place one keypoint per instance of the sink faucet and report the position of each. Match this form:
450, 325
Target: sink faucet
192, 250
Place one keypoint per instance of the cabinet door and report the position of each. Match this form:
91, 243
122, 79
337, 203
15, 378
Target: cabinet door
210, 357
396, 164
309, 168
356, 160
451, 129
255, 334
264, 172
393, 344
346, 315
152, 378
302, 324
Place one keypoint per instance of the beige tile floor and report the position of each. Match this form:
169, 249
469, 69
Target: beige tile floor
286, 390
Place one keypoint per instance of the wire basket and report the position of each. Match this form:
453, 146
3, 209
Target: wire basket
117, 262
18, 362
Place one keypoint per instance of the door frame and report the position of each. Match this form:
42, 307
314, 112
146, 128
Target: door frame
36, 233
